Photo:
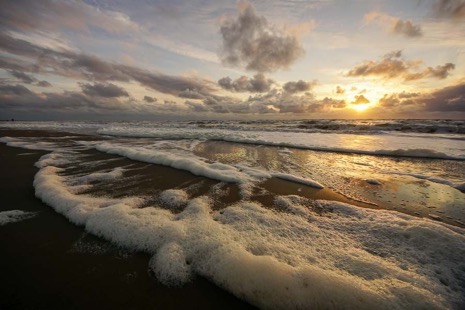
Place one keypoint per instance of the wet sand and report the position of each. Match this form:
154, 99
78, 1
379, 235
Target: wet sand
49, 263
55, 264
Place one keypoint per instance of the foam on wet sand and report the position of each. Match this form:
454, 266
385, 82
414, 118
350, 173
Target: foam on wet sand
300, 254
13, 216
340, 255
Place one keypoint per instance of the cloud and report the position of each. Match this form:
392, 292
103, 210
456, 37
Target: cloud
23, 77
454, 9
360, 99
44, 84
107, 90
284, 102
340, 90
19, 102
407, 28
451, 98
49, 15
439, 72
336, 104
191, 94
394, 25
15, 90
27, 79
150, 99
272, 102
250, 41
299, 86
78, 65
447, 99
398, 99
257, 84
392, 65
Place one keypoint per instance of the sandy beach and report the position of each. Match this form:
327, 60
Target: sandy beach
135, 202
49, 263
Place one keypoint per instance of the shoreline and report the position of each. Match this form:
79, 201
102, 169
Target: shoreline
53, 263
62, 259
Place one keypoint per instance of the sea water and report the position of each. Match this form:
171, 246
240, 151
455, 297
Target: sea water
272, 250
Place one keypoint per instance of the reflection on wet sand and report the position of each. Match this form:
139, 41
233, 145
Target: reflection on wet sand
347, 175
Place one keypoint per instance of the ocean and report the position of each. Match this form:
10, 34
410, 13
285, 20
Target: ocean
281, 214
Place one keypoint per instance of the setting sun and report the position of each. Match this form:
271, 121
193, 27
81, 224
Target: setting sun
233, 153
361, 107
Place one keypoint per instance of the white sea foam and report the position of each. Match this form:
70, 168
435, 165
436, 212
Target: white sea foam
30, 145
444, 129
360, 137
100, 176
292, 203
341, 256
174, 198
13, 216
241, 174
334, 256
382, 144
194, 165
296, 179
459, 186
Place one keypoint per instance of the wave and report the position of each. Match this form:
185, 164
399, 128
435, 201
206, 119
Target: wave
447, 128
340, 255
410, 146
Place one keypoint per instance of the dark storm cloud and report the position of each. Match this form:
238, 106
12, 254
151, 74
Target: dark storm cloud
150, 99
77, 65
454, 9
107, 90
392, 65
23, 77
251, 42
257, 84
299, 86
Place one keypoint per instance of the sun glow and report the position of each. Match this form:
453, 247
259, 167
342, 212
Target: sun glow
366, 95
361, 107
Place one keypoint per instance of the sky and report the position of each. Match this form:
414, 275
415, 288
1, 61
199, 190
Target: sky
198, 59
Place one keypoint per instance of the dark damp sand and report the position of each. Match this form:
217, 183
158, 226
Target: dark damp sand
42, 268
51, 263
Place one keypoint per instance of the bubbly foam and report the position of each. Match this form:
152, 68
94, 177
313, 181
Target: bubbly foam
435, 179
13, 216
174, 198
296, 179
409, 138
241, 174
382, 144
320, 256
35, 145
